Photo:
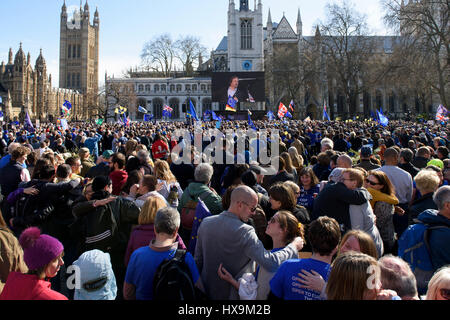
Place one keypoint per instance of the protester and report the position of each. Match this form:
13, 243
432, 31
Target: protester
97, 280
324, 236
144, 262
43, 256
226, 239
439, 285
283, 227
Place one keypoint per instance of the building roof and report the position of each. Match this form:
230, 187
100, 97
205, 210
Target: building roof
223, 45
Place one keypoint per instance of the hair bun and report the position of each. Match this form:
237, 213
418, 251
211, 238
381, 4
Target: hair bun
29, 237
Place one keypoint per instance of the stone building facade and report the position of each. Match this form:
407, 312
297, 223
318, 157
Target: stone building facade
24, 88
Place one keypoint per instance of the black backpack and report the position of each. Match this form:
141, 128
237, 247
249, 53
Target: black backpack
173, 280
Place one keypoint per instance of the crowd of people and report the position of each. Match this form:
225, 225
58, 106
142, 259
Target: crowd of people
354, 211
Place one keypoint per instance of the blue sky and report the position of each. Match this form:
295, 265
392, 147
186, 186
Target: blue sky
126, 25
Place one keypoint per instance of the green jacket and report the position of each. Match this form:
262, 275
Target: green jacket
213, 201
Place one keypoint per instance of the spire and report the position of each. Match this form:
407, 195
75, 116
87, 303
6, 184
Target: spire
299, 23
64, 8
317, 31
96, 18
40, 60
28, 58
10, 56
269, 19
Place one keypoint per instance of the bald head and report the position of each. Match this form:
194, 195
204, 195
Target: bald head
13, 146
243, 193
243, 202
344, 161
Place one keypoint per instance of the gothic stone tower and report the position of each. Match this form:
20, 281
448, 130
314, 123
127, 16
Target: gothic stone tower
79, 56
245, 37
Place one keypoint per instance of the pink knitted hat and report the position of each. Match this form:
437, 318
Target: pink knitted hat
39, 249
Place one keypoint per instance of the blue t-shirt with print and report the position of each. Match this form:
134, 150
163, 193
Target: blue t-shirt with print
285, 284
143, 265
306, 197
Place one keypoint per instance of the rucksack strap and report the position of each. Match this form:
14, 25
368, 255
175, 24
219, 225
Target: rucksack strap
426, 239
180, 255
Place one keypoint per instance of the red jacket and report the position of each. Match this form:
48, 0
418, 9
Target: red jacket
159, 149
21, 286
118, 178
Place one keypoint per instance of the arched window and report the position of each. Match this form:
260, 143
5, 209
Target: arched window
206, 105
174, 103
163, 88
147, 88
73, 80
187, 87
78, 81
172, 88
246, 34
68, 80
157, 108
74, 51
194, 88
78, 51
69, 50
141, 88
156, 87
178, 87
203, 88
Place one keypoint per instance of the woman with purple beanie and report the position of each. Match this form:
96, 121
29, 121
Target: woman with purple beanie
43, 256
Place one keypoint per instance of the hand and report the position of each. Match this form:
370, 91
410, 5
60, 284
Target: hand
312, 281
386, 295
298, 242
31, 191
104, 202
134, 188
224, 274
159, 186
399, 211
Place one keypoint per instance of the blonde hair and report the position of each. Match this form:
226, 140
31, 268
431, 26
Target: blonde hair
440, 280
427, 180
349, 276
162, 171
297, 160
149, 209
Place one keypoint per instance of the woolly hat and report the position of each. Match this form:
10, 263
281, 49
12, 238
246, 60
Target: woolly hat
39, 249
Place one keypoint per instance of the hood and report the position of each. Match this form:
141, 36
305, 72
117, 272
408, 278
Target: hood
97, 280
432, 216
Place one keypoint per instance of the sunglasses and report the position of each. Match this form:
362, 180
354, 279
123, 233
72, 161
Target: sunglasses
252, 209
445, 293
372, 183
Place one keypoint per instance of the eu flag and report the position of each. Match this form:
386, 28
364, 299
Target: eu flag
191, 111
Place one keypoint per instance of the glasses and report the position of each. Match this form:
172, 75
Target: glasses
445, 293
252, 209
372, 183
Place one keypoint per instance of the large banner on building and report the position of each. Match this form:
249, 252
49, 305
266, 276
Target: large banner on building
240, 86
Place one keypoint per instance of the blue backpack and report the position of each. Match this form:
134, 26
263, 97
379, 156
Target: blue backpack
414, 246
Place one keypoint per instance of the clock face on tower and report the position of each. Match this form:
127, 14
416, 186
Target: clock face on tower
247, 65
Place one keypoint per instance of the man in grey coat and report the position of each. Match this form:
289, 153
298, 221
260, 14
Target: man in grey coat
227, 239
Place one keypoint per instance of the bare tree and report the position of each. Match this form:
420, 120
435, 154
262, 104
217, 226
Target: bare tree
120, 94
426, 29
348, 47
158, 54
188, 49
